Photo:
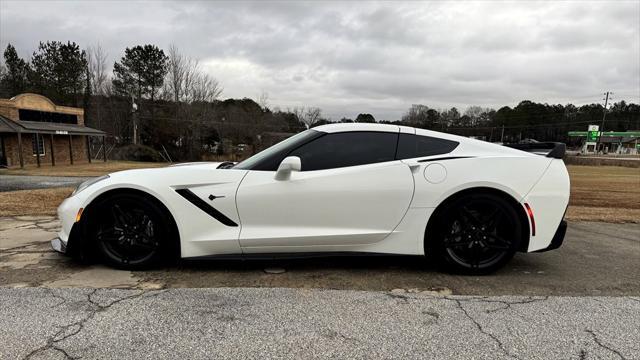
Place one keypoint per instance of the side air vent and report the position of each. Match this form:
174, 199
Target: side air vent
202, 205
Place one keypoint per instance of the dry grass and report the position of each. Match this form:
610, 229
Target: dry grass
603, 193
96, 168
626, 161
604, 214
32, 202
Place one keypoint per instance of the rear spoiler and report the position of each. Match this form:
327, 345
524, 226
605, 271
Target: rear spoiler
554, 150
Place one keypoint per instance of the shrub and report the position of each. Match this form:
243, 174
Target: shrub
136, 153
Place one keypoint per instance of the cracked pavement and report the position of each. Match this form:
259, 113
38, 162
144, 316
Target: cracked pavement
581, 301
242, 323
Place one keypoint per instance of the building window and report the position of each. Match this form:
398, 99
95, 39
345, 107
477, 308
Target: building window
46, 116
37, 143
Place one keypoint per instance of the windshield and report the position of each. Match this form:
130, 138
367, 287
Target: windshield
270, 158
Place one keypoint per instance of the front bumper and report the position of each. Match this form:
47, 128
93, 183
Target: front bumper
68, 234
58, 245
558, 237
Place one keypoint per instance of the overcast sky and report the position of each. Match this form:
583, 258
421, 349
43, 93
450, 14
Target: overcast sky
377, 57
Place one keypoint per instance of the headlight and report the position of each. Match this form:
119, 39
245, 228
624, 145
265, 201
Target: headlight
88, 183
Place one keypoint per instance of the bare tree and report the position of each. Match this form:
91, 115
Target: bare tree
309, 116
176, 74
416, 115
205, 88
97, 62
191, 74
263, 100
187, 82
474, 112
298, 112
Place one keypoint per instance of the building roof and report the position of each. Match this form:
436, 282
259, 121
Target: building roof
4, 127
30, 101
30, 127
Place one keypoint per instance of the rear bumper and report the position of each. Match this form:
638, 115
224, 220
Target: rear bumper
558, 237
548, 200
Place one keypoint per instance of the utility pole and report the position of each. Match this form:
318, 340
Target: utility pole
134, 115
604, 116
502, 136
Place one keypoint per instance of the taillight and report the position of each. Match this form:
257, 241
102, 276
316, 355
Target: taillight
533, 222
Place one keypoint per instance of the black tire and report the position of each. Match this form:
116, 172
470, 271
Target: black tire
130, 231
476, 234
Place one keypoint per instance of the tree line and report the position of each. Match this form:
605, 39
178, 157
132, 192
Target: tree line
167, 101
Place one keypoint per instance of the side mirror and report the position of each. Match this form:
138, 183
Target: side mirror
289, 164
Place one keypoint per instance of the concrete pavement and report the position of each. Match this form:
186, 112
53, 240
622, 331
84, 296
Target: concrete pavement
252, 323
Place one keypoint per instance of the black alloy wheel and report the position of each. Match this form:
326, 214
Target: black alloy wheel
130, 231
478, 234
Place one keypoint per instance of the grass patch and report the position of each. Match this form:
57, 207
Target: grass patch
605, 187
32, 202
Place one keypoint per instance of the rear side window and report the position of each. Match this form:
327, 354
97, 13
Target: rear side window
336, 150
413, 146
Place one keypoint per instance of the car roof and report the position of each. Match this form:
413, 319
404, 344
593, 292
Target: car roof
342, 127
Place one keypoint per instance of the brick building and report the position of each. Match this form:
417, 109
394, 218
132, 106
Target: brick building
35, 131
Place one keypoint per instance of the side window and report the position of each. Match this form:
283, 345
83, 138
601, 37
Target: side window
413, 146
337, 150
37, 144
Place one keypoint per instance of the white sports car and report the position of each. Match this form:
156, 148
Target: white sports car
340, 188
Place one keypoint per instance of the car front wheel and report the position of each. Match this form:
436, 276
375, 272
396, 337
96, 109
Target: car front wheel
130, 231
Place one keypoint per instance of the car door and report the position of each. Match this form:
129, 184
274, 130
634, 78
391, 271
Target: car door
350, 191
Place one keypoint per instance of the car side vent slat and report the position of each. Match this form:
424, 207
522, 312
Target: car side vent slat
202, 205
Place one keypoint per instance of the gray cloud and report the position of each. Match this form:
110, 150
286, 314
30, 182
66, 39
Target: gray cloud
367, 57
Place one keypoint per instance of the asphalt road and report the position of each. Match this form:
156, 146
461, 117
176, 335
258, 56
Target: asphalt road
581, 301
20, 182
303, 324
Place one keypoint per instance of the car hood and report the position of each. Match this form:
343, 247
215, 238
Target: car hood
199, 164
181, 175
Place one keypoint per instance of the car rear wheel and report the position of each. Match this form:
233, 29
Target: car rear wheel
130, 231
477, 234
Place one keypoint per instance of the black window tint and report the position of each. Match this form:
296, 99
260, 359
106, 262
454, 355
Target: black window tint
270, 158
413, 146
347, 149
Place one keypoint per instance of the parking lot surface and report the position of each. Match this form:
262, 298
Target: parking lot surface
581, 301
596, 259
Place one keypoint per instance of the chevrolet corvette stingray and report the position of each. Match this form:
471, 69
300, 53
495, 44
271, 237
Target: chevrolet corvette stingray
340, 188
